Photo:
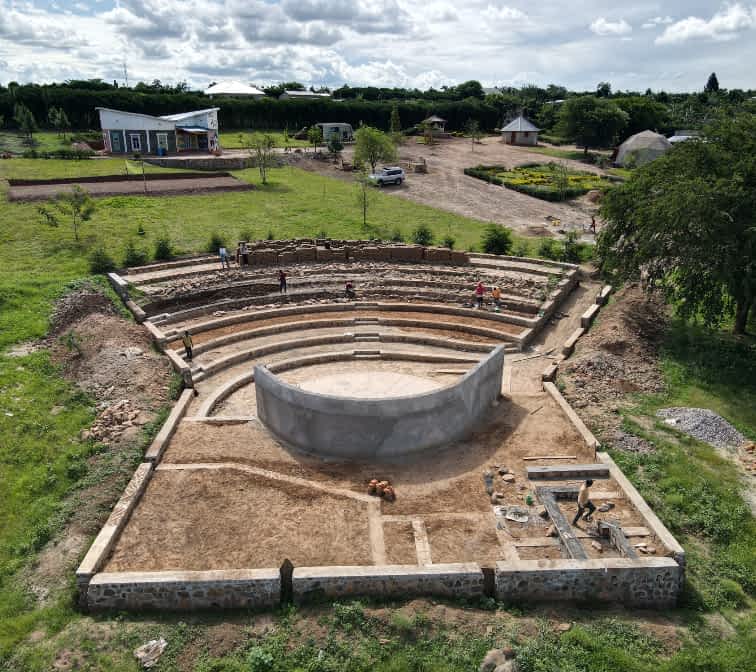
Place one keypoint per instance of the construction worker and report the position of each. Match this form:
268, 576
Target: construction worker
496, 296
480, 291
186, 339
584, 502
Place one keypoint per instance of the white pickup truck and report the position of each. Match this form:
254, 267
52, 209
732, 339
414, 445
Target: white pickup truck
389, 175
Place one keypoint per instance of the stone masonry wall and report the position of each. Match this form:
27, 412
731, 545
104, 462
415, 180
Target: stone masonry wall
226, 589
397, 581
647, 582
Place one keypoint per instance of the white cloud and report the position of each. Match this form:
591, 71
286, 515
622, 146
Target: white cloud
723, 26
604, 27
658, 21
492, 13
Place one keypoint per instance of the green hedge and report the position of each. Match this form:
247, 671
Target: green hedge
59, 154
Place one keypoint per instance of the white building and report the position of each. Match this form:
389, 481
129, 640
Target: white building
520, 132
303, 95
136, 133
234, 89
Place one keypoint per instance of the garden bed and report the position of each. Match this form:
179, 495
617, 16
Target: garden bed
550, 181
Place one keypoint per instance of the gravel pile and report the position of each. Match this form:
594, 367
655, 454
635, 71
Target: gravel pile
703, 424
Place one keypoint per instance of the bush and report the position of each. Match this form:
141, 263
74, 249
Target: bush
215, 242
521, 249
496, 240
550, 249
397, 236
100, 261
422, 235
322, 234
270, 236
134, 256
140, 230
449, 241
163, 249
571, 248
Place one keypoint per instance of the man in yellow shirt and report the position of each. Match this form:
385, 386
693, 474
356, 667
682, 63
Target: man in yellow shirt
584, 502
496, 296
186, 339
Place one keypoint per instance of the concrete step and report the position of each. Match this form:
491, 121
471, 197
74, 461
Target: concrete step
564, 472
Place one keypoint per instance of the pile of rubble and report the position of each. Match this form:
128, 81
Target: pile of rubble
704, 425
112, 422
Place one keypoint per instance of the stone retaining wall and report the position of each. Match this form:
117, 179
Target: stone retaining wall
645, 582
377, 428
388, 581
221, 589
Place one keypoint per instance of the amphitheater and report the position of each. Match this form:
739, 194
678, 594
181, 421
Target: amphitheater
257, 488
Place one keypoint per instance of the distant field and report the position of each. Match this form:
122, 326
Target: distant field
243, 138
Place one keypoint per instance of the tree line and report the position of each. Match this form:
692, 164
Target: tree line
628, 112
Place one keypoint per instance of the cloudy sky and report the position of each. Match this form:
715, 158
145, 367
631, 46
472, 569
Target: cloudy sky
671, 45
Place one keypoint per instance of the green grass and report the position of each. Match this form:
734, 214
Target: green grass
43, 464
231, 140
43, 141
572, 154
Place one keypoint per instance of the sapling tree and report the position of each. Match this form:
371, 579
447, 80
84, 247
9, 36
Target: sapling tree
263, 149
75, 205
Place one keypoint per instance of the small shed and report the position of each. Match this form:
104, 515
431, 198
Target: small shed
520, 132
641, 148
341, 131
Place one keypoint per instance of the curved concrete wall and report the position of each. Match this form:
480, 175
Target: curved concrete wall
364, 429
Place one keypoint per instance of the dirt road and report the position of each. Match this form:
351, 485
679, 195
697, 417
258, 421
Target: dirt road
446, 186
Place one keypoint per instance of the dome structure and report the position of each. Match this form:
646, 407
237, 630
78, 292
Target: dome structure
641, 148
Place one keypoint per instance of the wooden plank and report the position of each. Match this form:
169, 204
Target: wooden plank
537, 542
566, 533
422, 546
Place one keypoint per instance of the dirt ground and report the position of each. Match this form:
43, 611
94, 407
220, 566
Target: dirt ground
200, 185
446, 186
112, 360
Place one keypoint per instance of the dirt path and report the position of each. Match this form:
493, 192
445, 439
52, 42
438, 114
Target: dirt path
446, 186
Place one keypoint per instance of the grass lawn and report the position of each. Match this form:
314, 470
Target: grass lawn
42, 460
231, 139
43, 141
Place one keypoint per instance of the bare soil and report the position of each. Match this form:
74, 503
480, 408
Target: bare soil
446, 186
111, 359
183, 187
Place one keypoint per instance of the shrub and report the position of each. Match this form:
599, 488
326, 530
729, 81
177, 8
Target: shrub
449, 241
216, 241
496, 240
322, 234
422, 235
100, 261
397, 236
571, 248
140, 230
521, 249
134, 256
246, 234
270, 236
550, 249
259, 660
163, 249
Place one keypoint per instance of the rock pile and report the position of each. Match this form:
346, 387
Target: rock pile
112, 422
704, 425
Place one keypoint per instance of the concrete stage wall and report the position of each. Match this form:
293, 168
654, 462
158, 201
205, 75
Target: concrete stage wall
367, 429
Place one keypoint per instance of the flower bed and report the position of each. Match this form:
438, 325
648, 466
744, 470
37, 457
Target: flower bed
549, 181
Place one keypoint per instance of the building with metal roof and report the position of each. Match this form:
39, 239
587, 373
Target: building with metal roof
520, 132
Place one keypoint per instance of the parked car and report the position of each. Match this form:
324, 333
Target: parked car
388, 175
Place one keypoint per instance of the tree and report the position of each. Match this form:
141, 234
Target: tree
395, 123
469, 89
75, 204
372, 146
472, 129
685, 223
263, 146
712, 84
603, 89
364, 192
335, 146
315, 136
23, 116
592, 122
58, 119
643, 113
496, 239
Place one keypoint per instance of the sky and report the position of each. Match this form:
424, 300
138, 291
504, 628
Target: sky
671, 45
